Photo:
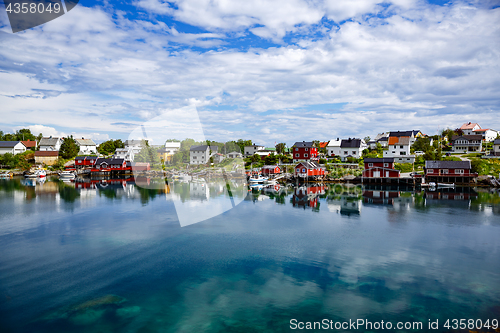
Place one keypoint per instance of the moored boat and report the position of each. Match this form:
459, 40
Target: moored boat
67, 175
258, 179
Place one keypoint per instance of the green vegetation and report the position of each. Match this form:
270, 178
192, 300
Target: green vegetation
486, 166
109, 147
149, 155
22, 161
21, 135
403, 167
69, 149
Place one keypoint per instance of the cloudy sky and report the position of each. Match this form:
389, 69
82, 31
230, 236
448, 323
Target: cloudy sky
270, 71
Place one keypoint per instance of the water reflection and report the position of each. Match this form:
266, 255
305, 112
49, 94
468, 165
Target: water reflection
339, 198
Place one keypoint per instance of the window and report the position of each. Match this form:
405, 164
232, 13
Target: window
386, 165
402, 153
370, 165
445, 171
401, 147
407, 159
345, 153
354, 153
306, 155
296, 149
459, 171
194, 157
303, 170
430, 170
307, 149
297, 155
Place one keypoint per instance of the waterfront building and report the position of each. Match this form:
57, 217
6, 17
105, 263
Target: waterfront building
304, 151
87, 146
380, 168
449, 172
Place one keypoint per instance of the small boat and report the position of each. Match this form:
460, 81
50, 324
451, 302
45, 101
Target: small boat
67, 175
258, 179
432, 184
446, 185
38, 173
6, 175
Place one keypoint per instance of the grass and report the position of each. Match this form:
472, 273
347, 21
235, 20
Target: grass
486, 166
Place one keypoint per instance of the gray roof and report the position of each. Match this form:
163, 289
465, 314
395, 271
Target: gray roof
496, 142
310, 164
204, 148
303, 144
404, 133
110, 161
477, 137
447, 164
85, 142
351, 143
52, 141
8, 144
379, 160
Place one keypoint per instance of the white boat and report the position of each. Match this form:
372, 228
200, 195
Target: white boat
432, 184
67, 175
446, 185
38, 173
258, 179
6, 175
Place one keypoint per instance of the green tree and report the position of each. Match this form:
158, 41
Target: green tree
242, 143
149, 155
69, 148
280, 148
107, 148
271, 159
255, 158
24, 135
118, 144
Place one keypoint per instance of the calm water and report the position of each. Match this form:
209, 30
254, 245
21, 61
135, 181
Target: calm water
113, 257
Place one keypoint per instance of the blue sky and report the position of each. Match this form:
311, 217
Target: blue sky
270, 71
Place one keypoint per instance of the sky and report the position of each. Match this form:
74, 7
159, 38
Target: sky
269, 71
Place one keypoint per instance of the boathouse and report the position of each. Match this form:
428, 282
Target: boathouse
380, 168
271, 170
458, 172
309, 169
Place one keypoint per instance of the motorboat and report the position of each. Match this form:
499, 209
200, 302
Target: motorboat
67, 175
38, 173
446, 185
5, 175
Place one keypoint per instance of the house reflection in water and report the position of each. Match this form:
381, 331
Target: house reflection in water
345, 204
307, 196
380, 197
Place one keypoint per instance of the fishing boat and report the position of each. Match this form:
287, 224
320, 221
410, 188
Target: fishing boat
67, 175
257, 179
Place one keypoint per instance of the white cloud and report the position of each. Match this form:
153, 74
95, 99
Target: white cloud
422, 66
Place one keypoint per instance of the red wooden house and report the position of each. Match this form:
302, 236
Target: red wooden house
308, 169
380, 168
109, 164
449, 172
85, 161
380, 197
304, 151
271, 170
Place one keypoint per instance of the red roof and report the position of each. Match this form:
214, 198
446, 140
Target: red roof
29, 143
46, 153
469, 125
323, 144
481, 130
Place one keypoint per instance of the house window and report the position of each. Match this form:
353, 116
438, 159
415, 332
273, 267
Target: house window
306, 155
370, 165
354, 153
402, 153
297, 155
407, 159
386, 165
459, 171
296, 149
400, 147
445, 171
430, 170
303, 170
194, 157
345, 153
307, 149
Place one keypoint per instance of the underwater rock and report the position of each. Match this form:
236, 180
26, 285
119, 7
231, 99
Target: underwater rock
129, 312
105, 300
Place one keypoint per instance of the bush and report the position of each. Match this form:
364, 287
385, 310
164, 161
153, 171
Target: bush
403, 167
322, 161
